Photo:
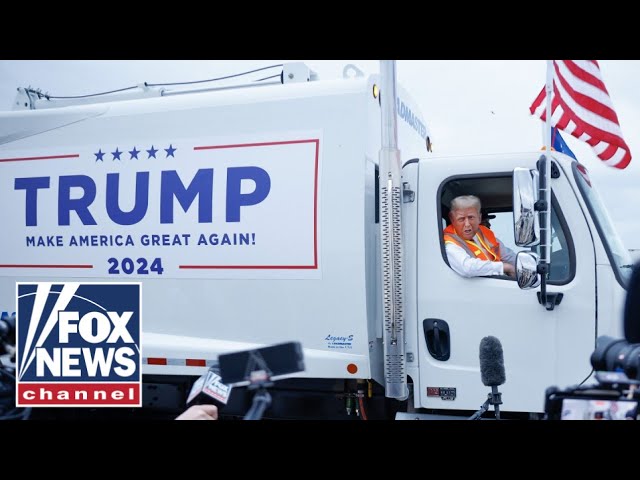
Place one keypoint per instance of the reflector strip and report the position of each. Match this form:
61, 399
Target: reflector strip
179, 362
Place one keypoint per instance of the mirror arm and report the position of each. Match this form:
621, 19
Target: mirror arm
543, 268
540, 206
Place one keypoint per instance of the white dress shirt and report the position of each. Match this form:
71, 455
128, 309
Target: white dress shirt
463, 264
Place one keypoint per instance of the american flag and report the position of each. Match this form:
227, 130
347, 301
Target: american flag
580, 105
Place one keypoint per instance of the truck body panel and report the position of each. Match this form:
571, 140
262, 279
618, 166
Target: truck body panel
299, 264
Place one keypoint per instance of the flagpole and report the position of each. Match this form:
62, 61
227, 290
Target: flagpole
545, 192
549, 92
545, 185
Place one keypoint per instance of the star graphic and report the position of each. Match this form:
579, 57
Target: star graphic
116, 154
99, 155
170, 151
152, 152
134, 153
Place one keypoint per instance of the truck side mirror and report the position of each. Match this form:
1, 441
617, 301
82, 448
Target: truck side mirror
526, 224
527, 270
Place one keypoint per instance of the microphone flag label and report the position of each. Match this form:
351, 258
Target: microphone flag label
78, 344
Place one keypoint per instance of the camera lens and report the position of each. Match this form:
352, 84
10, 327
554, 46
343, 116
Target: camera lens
616, 354
607, 349
632, 362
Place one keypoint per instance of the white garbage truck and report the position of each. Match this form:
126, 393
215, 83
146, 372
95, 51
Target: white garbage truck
269, 212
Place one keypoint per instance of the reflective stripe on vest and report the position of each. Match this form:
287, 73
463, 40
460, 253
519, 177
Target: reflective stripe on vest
486, 238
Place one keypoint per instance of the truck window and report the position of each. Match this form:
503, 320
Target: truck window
495, 194
562, 255
619, 257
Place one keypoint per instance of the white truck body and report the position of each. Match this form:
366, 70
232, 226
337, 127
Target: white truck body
288, 173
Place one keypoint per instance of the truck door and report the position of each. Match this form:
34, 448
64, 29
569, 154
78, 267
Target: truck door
541, 348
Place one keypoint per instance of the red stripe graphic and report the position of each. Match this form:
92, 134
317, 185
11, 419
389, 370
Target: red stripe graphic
50, 157
16, 265
261, 144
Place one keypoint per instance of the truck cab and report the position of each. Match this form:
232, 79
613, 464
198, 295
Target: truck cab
449, 314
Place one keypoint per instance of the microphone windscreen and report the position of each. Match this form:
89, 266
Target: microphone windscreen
632, 308
491, 362
8, 329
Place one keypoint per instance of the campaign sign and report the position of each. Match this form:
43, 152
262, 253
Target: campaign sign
206, 207
78, 344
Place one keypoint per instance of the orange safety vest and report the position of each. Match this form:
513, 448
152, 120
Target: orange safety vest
486, 237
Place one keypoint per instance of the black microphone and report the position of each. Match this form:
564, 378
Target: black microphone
257, 367
7, 333
209, 389
632, 307
492, 374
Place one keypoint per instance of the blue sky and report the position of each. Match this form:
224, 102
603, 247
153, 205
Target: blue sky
470, 106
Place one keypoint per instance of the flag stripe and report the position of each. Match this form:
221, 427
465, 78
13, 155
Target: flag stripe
586, 72
591, 129
556, 116
587, 96
619, 159
577, 131
538, 101
582, 107
564, 121
608, 152
587, 113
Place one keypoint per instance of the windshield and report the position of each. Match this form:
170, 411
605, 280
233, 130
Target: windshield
618, 255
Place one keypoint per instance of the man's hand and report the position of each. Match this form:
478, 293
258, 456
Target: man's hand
509, 269
199, 412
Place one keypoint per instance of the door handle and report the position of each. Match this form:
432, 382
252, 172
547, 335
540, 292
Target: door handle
437, 338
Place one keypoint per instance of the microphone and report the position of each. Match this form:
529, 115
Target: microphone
491, 362
257, 367
7, 333
632, 307
209, 389
492, 374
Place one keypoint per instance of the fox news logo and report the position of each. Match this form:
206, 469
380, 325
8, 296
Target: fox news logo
78, 344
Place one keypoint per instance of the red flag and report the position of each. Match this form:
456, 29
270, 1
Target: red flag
580, 105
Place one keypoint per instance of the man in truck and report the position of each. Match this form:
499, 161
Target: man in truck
472, 249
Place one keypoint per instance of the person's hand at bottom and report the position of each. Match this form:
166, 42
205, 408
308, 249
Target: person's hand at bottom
199, 412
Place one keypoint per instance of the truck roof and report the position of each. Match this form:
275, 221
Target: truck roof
20, 124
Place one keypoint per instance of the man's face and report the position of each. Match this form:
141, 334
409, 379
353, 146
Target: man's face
466, 222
